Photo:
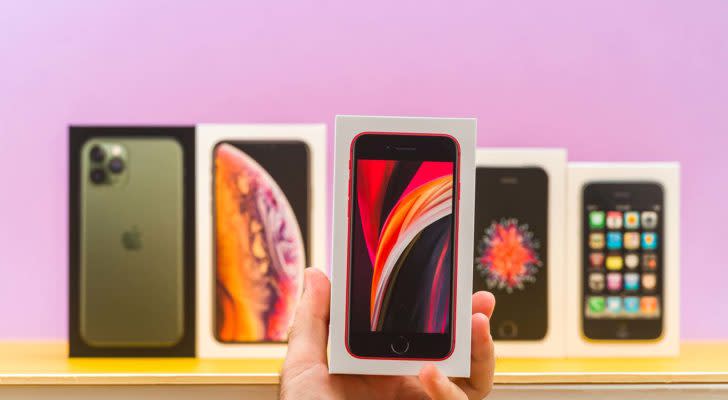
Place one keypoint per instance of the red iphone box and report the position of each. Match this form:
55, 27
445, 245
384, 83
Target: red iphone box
402, 245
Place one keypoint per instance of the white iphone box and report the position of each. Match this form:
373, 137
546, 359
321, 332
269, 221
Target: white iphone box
402, 264
260, 221
623, 259
520, 252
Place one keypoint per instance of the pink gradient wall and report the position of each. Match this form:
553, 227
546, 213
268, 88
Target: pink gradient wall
618, 80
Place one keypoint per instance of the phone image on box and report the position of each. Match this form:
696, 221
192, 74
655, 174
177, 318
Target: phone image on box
511, 249
261, 232
622, 257
402, 252
131, 231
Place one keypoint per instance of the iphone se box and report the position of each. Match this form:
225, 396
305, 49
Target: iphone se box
131, 241
624, 259
520, 209
260, 221
402, 264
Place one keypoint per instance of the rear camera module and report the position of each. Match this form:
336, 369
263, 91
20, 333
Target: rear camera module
116, 165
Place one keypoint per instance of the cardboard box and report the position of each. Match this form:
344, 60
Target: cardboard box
273, 159
132, 242
347, 128
667, 177
552, 162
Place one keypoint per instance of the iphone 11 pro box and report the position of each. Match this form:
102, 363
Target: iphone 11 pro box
260, 222
520, 209
623, 259
402, 265
131, 241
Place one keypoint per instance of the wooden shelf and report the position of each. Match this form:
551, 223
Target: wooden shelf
44, 363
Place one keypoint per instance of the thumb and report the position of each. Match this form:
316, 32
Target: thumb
437, 386
310, 331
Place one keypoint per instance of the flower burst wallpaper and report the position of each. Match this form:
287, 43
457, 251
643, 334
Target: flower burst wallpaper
508, 255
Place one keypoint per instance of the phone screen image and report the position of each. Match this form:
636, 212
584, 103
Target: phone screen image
511, 249
401, 247
622, 260
261, 222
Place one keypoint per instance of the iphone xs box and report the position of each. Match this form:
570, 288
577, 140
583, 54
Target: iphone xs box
402, 264
520, 208
260, 222
624, 259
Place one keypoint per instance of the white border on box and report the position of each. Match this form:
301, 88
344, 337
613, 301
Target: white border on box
666, 174
209, 135
347, 127
553, 162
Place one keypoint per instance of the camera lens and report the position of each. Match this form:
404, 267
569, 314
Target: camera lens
97, 154
116, 165
98, 176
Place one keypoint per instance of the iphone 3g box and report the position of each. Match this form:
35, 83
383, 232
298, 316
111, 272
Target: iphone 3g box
260, 222
624, 259
402, 263
131, 241
520, 209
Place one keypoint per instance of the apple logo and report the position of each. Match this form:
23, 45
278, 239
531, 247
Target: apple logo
132, 239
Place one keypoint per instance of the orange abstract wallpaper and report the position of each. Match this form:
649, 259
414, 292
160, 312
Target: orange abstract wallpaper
259, 252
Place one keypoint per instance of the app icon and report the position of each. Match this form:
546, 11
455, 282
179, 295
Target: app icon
614, 304
649, 220
596, 282
631, 304
596, 260
614, 220
596, 220
596, 304
631, 281
649, 281
631, 220
648, 305
614, 240
631, 240
614, 281
596, 241
649, 261
631, 260
614, 263
649, 240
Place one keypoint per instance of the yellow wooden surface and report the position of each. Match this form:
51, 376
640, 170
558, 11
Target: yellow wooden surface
46, 363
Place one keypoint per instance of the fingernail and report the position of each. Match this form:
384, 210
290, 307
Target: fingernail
440, 376
306, 280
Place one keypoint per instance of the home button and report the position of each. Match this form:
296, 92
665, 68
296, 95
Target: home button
508, 330
400, 345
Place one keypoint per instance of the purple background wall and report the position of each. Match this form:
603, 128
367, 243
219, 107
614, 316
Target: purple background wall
619, 80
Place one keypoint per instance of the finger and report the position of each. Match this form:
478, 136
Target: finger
484, 303
437, 386
310, 330
482, 359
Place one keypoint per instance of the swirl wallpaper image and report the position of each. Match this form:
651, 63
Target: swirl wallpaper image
260, 253
402, 256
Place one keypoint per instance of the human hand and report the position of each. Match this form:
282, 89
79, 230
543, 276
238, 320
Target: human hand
305, 373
